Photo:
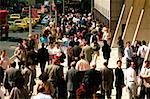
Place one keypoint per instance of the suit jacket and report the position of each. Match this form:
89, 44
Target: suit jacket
29, 76
106, 51
107, 78
92, 79
76, 51
1, 74
72, 79
32, 58
88, 51
55, 73
119, 77
10, 75
43, 55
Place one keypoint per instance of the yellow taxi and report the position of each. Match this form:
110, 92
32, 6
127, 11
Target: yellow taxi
22, 24
12, 26
32, 21
14, 17
37, 19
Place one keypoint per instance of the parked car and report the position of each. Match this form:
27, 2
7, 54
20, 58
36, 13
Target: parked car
37, 19
22, 24
25, 9
12, 26
24, 14
45, 20
13, 17
32, 20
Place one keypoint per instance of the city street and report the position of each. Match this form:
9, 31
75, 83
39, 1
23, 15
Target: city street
92, 32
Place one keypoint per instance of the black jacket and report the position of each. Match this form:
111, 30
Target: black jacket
119, 77
43, 55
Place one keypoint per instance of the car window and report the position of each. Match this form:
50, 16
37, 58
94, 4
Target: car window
17, 21
12, 16
10, 23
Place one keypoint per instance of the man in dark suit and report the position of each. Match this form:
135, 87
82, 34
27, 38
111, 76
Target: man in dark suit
43, 57
76, 51
87, 51
119, 82
55, 73
107, 80
10, 75
91, 80
72, 81
1, 72
32, 58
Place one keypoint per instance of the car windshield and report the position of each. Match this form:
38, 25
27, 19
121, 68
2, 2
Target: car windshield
18, 21
10, 23
15, 16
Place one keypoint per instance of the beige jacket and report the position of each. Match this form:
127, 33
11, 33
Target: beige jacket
146, 77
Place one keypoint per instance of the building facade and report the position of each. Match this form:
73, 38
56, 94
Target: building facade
107, 12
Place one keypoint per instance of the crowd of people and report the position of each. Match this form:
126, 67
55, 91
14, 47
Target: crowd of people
78, 39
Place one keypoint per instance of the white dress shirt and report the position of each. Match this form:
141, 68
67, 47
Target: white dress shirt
56, 50
128, 53
42, 96
142, 51
130, 76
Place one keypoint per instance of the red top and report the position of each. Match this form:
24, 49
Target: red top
1, 11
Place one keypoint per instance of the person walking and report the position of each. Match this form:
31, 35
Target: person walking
120, 44
119, 82
1, 73
20, 53
18, 91
30, 42
55, 75
136, 58
145, 76
82, 64
72, 81
107, 80
141, 53
70, 54
29, 75
106, 51
128, 52
131, 81
76, 51
87, 51
43, 57
10, 75
91, 80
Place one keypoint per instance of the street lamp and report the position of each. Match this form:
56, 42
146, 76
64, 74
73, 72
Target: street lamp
30, 2
30, 20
